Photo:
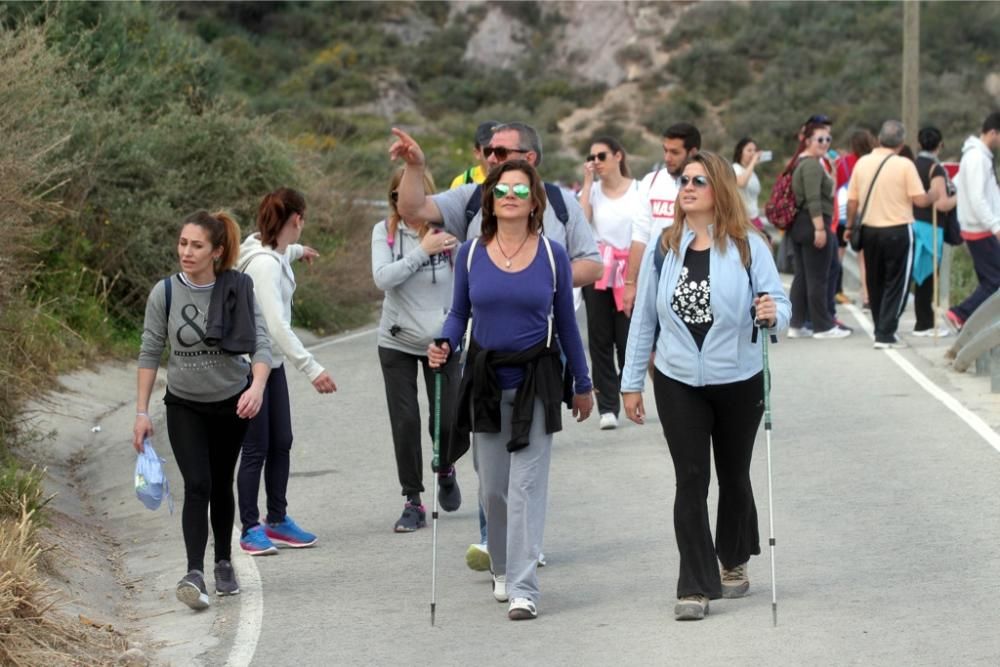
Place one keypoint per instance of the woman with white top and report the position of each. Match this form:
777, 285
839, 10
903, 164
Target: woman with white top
266, 256
610, 199
745, 158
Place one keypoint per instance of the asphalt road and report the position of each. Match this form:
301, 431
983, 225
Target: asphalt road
887, 521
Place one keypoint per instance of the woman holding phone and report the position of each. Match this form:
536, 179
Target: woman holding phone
745, 158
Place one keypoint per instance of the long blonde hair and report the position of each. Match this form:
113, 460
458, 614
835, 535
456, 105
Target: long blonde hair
392, 221
730, 214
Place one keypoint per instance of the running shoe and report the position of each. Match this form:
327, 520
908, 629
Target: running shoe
735, 582
256, 542
939, 332
449, 495
840, 324
609, 421
954, 321
288, 534
192, 592
522, 609
500, 588
414, 517
896, 343
477, 557
800, 332
691, 608
835, 332
225, 579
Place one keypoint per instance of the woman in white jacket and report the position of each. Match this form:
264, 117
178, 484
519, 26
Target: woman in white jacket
266, 256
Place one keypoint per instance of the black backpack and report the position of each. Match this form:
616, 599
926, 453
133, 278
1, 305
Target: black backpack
552, 192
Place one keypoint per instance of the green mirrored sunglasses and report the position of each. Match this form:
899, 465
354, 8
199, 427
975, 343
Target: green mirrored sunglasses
521, 191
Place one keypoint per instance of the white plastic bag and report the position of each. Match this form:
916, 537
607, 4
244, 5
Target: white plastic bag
151, 484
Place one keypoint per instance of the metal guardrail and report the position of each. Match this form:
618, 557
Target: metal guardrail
979, 343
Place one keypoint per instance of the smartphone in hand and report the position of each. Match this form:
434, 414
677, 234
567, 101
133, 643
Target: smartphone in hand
765, 156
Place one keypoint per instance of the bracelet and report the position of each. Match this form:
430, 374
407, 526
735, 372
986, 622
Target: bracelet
630, 282
142, 414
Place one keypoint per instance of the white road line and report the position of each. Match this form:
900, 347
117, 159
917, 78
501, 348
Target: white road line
973, 420
342, 339
251, 607
251, 587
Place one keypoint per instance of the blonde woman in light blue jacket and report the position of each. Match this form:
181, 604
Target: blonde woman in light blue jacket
700, 290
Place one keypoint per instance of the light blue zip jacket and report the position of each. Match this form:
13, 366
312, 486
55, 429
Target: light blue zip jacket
727, 354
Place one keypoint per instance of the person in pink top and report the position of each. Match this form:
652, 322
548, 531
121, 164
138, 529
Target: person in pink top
611, 201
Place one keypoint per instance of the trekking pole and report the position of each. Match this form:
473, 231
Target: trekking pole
765, 334
436, 461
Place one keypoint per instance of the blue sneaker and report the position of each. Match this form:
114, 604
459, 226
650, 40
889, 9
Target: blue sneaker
256, 542
288, 534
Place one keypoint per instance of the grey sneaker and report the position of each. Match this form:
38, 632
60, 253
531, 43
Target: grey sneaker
225, 579
191, 590
691, 608
735, 582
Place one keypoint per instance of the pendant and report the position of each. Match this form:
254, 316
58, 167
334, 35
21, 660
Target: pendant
508, 263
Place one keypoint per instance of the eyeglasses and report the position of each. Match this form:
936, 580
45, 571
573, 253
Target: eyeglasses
521, 191
602, 156
699, 181
823, 140
394, 196
501, 152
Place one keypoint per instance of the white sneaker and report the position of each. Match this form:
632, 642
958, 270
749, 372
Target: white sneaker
835, 332
800, 332
895, 344
541, 560
609, 421
522, 609
500, 588
940, 332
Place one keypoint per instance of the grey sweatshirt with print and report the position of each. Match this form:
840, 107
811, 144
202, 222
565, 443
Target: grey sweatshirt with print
195, 371
417, 290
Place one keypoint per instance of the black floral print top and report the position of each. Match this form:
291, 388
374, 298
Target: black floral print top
692, 300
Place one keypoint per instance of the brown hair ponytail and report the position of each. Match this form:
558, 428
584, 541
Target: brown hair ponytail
223, 231
275, 211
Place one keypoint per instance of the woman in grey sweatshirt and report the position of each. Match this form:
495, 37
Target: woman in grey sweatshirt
210, 395
412, 263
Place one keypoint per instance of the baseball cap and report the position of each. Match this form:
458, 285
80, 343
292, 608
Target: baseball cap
485, 132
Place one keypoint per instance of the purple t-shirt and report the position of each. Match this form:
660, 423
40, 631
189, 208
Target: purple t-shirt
512, 309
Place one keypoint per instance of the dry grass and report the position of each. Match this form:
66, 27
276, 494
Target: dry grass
32, 630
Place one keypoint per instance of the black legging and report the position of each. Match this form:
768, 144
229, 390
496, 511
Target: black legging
205, 438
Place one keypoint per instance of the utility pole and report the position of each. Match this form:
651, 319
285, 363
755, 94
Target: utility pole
911, 70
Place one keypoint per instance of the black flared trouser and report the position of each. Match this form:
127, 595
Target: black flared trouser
696, 422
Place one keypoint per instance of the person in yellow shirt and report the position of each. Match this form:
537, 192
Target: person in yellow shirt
477, 172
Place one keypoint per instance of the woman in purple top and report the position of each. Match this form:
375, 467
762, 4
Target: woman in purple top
517, 287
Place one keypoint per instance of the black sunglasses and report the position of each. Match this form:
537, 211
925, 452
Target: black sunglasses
602, 156
699, 181
501, 152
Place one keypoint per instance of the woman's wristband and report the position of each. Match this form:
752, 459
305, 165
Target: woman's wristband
142, 414
630, 282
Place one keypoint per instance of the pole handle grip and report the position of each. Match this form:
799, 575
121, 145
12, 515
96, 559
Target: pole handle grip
439, 342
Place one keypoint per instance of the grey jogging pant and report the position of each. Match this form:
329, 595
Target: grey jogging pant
514, 488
